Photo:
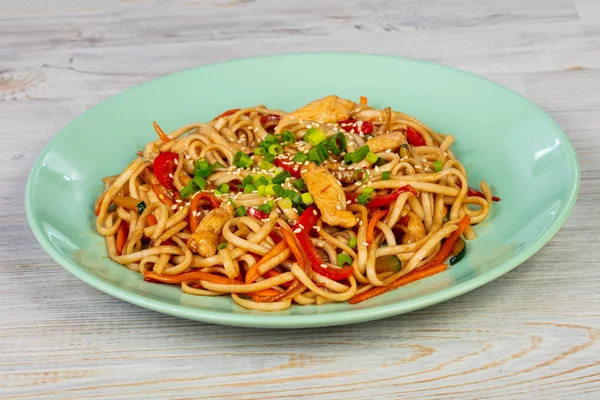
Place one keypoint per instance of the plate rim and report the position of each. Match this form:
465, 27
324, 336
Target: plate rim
312, 320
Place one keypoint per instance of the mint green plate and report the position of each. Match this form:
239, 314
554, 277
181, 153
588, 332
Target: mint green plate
501, 137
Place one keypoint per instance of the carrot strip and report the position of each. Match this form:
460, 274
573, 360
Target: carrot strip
363, 100
189, 276
371, 227
151, 220
163, 195
444, 252
403, 280
261, 295
121, 237
226, 113
253, 273
297, 251
272, 273
161, 133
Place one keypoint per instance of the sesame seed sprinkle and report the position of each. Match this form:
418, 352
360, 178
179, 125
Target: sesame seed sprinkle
365, 244
297, 230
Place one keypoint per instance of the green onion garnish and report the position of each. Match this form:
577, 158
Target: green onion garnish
241, 211
249, 188
261, 180
363, 199
343, 259
299, 184
248, 180
221, 246
287, 137
307, 198
141, 207
275, 149
265, 165
300, 157
259, 151
269, 157
293, 196
357, 155
337, 144
438, 166
285, 203
200, 182
314, 136
281, 177
372, 157
279, 190
359, 172
368, 191
269, 190
188, 189
203, 169
270, 139
218, 165
318, 154
352, 242
224, 188
385, 175
267, 207
261, 190
242, 160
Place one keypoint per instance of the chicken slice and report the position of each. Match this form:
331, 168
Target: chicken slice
325, 110
207, 237
387, 141
329, 196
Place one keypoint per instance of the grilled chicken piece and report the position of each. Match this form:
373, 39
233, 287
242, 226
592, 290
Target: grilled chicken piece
391, 141
328, 195
207, 237
325, 110
416, 229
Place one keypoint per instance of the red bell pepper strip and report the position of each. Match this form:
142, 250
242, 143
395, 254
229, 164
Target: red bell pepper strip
265, 119
227, 113
351, 125
308, 219
255, 213
164, 167
414, 137
290, 166
382, 200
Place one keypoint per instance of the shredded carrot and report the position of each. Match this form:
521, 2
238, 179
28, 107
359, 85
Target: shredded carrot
260, 296
403, 280
97, 210
140, 153
190, 276
363, 100
297, 251
271, 273
444, 252
151, 220
193, 213
371, 227
253, 273
121, 237
163, 195
161, 133
226, 113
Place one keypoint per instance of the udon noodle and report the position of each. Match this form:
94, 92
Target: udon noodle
337, 201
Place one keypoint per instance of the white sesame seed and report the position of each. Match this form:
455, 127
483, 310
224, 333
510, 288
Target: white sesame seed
365, 244
376, 168
360, 223
300, 226
187, 156
178, 201
324, 265
358, 183
348, 202
170, 175
318, 228
176, 161
308, 126
388, 151
194, 213
297, 230
315, 212
338, 207
174, 207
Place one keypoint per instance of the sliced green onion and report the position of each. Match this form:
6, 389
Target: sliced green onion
380, 161
222, 246
288, 137
269, 190
267, 207
385, 175
269, 157
318, 154
270, 139
337, 144
285, 203
249, 188
359, 155
241, 211
293, 195
265, 165
278, 170
368, 191
261, 180
218, 165
307, 198
343, 259
259, 151
248, 180
438, 166
279, 190
281, 177
232, 203
218, 193
200, 182
300, 157
364, 172
242, 160
224, 188
188, 190
352, 242
299, 184
372, 157
261, 190
363, 199
203, 169
314, 136
275, 149
141, 207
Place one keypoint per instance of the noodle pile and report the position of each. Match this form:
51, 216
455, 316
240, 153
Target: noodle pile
336, 201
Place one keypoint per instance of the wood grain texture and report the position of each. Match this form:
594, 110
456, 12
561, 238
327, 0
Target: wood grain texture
533, 333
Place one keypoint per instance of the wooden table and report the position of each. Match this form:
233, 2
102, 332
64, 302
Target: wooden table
534, 333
